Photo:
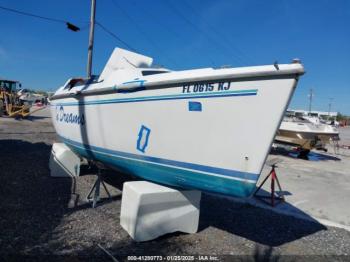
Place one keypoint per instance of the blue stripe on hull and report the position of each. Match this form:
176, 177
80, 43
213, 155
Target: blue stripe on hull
248, 92
162, 161
169, 175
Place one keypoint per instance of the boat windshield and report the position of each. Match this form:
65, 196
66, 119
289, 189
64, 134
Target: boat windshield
81, 81
295, 119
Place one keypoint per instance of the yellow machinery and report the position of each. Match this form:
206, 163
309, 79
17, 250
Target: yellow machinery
9, 101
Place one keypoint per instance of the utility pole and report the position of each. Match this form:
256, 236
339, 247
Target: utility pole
329, 107
91, 38
311, 95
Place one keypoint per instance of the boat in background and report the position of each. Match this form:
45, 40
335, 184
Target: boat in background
195, 129
307, 133
317, 120
30, 97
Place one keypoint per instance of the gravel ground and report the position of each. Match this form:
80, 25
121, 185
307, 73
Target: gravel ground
43, 217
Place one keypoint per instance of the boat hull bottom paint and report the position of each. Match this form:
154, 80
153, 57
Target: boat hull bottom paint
166, 175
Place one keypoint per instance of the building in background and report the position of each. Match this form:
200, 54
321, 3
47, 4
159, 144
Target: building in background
320, 114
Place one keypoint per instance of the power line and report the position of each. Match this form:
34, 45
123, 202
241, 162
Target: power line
32, 15
169, 30
138, 27
179, 14
219, 34
115, 36
189, 22
68, 24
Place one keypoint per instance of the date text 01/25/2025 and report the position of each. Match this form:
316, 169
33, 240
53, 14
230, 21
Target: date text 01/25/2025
205, 87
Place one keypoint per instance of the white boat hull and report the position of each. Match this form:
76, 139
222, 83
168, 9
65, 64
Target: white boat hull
212, 140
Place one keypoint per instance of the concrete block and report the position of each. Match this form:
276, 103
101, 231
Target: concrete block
63, 161
150, 210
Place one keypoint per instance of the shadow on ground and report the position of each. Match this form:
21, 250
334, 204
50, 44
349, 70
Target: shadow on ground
32, 203
34, 206
31, 118
312, 156
35, 118
262, 226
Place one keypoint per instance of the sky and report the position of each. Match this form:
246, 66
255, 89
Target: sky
184, 34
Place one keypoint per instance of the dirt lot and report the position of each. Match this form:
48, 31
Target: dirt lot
43, 217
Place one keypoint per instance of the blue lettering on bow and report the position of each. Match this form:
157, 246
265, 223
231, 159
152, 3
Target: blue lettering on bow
69, 118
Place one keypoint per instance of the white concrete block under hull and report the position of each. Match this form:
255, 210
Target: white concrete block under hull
63, 161
149, 210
